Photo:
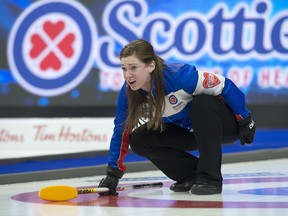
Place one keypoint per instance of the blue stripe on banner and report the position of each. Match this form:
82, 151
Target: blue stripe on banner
264, 139
33, 166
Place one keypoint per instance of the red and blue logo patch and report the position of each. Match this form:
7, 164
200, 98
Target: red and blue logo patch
50, 48
173, 99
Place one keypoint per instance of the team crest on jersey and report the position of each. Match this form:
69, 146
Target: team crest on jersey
173, 99
210, 80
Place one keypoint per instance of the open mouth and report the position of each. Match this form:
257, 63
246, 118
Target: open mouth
131, 82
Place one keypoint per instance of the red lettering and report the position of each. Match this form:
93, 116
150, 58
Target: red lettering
7, 136
263, 78
273, 78
242, 77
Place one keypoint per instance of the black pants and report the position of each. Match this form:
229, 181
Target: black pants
213, 124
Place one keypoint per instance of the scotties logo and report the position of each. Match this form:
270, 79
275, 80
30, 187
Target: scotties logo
173, 99
50, 47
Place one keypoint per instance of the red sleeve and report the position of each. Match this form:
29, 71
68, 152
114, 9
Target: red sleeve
123, 150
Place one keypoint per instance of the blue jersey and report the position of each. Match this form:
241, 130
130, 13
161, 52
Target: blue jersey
181, 83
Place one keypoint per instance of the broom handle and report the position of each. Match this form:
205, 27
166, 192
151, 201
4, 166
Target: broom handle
129, 187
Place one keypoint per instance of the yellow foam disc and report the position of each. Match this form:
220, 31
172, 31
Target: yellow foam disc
58, 193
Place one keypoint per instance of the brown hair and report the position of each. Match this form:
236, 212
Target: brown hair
140, 105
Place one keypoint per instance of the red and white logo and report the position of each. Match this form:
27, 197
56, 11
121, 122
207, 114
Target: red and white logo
51, 46
210, 80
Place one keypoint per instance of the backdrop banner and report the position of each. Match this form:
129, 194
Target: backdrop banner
57, 53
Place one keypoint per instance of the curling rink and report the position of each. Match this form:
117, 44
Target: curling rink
59, 76
250, 188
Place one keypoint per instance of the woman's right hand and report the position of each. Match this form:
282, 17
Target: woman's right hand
111, 180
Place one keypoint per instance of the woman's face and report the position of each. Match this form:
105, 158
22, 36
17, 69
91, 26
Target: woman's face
136, 73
